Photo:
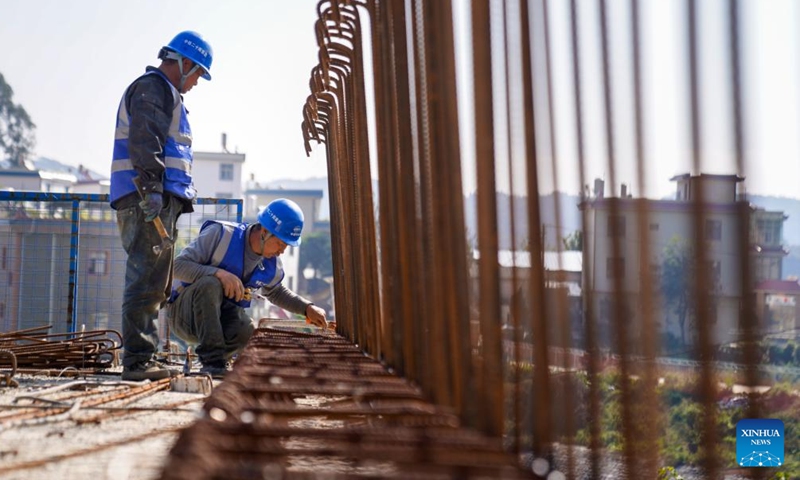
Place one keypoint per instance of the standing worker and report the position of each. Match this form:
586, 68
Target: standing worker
217, 274
153, 145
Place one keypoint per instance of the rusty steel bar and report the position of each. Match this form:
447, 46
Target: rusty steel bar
540, 387
444, 261
648, 400
619, 303
82, 452
703, 352
33, 348
515, 308
388, 124
561, 300
416, 330
84, 399
7, 379
591, 337
748, 322
491, 371
251, 420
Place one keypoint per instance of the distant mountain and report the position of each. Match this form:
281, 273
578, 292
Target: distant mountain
570, 216
570, 219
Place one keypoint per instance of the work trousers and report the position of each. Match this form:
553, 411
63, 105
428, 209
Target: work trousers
202, 316
148, 278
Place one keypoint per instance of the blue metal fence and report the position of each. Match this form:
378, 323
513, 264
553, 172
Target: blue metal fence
63, 261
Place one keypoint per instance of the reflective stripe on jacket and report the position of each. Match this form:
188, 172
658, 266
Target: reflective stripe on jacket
177, 151
229, 255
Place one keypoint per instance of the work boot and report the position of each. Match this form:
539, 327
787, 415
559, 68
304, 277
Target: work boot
216, 369
148, 370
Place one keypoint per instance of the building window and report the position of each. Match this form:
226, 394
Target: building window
616, 226
615, 267
713, 230
2, 310
769, 232
98, 262
226, 171
654, 227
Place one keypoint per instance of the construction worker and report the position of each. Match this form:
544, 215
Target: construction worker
153, 144
219, 271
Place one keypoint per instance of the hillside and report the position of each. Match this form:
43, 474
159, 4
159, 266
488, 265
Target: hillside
570, 217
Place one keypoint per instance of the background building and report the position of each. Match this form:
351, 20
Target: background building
671, 222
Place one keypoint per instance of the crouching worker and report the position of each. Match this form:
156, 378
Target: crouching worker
215, 274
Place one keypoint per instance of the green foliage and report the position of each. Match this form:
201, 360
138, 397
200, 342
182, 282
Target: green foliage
677, 274
316, 253
787, 354
667, 418
668, 473
16, 128
683, 415
573, 241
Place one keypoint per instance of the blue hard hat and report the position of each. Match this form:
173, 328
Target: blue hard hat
284, 219
192, 46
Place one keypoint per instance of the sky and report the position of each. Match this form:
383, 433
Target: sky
769, 56
72, 60
69, 62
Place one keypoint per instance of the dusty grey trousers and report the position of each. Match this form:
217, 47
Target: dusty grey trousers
201, 316
148, 278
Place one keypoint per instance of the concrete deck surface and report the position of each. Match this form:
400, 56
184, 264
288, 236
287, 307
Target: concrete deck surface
131, 445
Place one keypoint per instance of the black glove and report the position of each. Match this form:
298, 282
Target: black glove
151, 206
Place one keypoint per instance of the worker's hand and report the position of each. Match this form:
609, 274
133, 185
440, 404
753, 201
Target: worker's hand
316, 316
151, 205
232, 285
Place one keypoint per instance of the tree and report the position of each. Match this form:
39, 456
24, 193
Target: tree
316, 254
677, 275
573, 241
16, 128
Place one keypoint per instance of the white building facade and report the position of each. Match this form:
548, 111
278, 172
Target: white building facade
670, 222
218, 174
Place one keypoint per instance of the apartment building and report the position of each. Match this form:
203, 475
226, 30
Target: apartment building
672, 222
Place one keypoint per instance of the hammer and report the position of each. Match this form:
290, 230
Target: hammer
166, 242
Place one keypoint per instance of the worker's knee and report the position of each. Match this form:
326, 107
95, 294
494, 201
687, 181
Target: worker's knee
207, 285
246, 331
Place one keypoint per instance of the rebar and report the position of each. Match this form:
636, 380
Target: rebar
36, 349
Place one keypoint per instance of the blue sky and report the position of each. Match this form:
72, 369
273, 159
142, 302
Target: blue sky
72, 60
69, 61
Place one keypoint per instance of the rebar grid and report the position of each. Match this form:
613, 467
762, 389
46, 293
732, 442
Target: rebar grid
293, 395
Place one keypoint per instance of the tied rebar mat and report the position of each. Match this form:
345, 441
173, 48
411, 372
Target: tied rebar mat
587, 334
299, 404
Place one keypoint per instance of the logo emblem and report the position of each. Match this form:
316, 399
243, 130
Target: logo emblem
759, 442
